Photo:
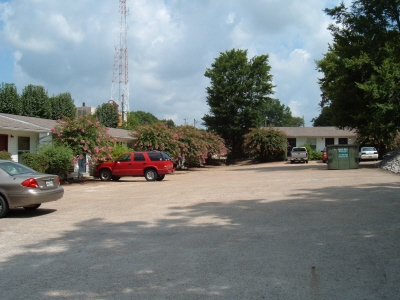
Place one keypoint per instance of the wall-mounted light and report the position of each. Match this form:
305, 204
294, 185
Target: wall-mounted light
11, 136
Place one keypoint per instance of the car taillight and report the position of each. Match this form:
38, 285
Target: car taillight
59, 181
30, 183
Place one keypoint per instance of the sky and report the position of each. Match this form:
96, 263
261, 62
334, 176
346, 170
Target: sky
68, 46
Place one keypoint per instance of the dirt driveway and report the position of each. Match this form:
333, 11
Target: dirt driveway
267, 231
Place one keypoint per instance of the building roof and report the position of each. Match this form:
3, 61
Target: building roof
323, 131
16, 122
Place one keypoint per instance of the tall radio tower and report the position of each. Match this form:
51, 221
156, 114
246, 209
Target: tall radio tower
120, 78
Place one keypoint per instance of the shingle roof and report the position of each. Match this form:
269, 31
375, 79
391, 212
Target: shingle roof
328, 131
16, 122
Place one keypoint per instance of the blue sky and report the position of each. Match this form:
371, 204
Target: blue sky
70, 48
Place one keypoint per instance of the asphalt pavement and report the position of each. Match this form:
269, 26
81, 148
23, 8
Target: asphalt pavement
263, 231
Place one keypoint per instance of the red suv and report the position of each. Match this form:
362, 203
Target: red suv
153, 165
324, 155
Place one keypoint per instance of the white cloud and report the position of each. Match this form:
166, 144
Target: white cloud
68, 47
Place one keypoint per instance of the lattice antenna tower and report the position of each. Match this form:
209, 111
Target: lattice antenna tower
120, 78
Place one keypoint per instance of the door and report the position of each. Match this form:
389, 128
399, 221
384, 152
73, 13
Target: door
291, 143
123, 165
3, 142
139, 163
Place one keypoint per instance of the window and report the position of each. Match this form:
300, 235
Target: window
24, 145
125, 157
343, 141
312, 142
155, 156
138, 157
329, 141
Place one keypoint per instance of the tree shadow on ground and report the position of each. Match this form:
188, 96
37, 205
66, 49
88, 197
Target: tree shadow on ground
331, 243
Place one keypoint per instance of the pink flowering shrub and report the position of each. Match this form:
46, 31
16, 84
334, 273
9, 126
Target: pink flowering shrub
85, 135
265, 144
192, 143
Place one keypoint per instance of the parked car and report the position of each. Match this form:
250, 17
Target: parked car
153, 165
324, 155
368, 153
21, 186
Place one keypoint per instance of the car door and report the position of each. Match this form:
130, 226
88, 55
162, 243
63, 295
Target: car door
138, 164
123, 165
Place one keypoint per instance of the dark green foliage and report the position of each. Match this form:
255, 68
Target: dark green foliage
325, 117
266, 144
279, 115
59, 158
239, 89
312, 154
37, 161
170, 123
35, 102
5, 155
62, 105
10, 102
107, 114
138, 118
361, 82
118, 150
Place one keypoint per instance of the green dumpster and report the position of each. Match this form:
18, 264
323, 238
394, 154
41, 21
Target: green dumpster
342, 157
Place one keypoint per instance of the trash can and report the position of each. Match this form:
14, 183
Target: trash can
342, 157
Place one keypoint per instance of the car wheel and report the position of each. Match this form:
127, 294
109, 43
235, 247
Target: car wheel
306, 161
160, 177
323, 161
150, 175
32, 207
3, 207
105, 175
115, 178
291, 161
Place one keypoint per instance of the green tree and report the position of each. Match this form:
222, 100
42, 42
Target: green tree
239, 89
279, 115
170, 123
107, 114
35, 102
62, 105
137, 118
362, 69
10, 102
265, 144
324, 118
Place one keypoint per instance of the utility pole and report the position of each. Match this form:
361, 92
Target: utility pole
120, 77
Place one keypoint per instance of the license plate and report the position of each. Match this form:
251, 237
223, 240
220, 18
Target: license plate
49, 183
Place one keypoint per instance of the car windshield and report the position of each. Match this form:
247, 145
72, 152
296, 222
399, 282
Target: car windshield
299, 149
12, 168
368, 149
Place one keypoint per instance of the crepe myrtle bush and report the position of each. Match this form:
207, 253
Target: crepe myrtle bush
85, 135
197, 145
265, 144
192, 143
156, 136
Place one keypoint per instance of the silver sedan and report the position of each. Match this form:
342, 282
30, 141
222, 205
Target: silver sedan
21, 186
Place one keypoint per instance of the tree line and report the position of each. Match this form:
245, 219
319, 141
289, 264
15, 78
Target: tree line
361, 72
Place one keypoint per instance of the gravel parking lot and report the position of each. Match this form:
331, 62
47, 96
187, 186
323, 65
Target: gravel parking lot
266, 231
